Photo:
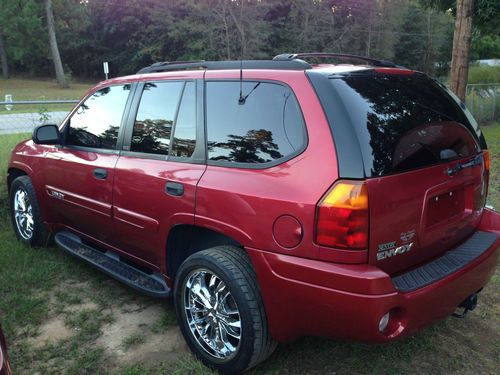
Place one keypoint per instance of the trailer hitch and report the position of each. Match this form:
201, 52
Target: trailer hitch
468, 304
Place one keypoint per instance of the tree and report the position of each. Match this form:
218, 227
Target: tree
53, 45
3, 57
461, 47
486, 21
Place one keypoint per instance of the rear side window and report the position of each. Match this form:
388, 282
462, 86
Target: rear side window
155, 117
404, 122
264, 127
97, 121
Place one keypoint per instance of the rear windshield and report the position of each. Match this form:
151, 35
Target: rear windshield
404, 122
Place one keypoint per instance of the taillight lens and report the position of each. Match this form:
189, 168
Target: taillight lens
342, 216
486, 157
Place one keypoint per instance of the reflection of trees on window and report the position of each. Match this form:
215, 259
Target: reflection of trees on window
392, 107
110, 136
256, 146
97, 121
81, 110
183, 147
151, 136
102, 92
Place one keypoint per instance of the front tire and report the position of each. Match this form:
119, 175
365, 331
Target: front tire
25, 213
220, 310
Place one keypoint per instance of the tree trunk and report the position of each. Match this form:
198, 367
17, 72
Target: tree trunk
461, 47
3, 57
53, 45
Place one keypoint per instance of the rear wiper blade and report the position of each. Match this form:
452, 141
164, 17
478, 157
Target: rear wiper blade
478, 160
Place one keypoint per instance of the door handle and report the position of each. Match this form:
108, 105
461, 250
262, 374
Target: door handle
100, 174
174, 188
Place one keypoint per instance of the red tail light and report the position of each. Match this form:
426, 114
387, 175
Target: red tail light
342, 216
486, 156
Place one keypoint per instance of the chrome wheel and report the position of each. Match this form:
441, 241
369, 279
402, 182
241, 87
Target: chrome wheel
23, 214
212, 314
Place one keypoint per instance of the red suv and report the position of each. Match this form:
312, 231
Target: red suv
272, 199
4, 357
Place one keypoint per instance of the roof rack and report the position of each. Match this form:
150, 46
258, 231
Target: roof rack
373, 62
291, 64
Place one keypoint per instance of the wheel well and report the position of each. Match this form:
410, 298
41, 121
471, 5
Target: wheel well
12, 174
185, 240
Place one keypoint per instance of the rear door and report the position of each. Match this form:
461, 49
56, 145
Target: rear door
79, 176
423, 161
159, 167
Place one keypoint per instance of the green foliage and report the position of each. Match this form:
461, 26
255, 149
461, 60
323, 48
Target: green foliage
486, 12
130, 34
425, 39
485, 47
24, 33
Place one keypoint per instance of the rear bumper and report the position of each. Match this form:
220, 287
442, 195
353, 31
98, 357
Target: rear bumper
308, 297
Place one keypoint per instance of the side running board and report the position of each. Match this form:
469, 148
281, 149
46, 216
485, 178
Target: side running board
151, 284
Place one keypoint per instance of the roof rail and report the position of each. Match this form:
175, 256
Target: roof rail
373, 62
167, 65
219, 65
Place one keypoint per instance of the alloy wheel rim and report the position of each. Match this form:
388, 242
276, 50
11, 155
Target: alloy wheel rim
212, 314
23, 214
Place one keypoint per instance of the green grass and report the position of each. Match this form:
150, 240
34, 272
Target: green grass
484, 74
37, 285
492, 135
29, 89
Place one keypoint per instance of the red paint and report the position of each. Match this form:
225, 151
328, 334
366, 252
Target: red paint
4, 357
407, 203
307, 289
144, 210
304, 297
287, 231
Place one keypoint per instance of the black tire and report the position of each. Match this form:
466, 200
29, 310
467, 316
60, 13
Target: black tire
233, 267
39, 233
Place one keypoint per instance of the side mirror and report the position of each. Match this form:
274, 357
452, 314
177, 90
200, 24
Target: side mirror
46, 135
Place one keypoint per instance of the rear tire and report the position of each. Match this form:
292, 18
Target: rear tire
25, 213
220, 310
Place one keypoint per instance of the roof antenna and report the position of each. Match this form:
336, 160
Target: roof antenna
242, 98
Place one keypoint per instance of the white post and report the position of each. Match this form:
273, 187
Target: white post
8, 98
106, 68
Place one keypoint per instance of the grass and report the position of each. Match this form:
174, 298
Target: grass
492, 135
30, 89
484, 74
40, 285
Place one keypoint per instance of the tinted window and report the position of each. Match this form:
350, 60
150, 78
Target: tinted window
404, 122
97, 121
155, 117
185, 125
267, 126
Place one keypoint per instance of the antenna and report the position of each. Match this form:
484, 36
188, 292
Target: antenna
242, 98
